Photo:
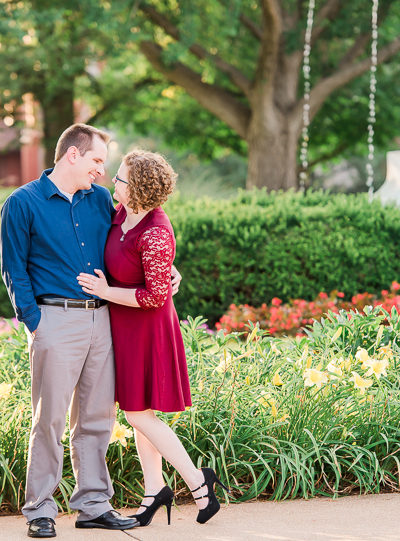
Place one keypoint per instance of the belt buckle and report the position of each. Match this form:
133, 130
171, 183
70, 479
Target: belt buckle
87, 307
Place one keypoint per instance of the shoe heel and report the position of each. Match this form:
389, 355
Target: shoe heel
222, 484
168, 506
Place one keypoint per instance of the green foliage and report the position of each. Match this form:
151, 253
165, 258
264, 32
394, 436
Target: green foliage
257, 246
280, 437
54, 50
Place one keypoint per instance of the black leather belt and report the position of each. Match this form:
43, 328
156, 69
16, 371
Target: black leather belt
89, 304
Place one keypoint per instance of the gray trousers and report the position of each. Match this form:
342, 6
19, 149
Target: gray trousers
72, 365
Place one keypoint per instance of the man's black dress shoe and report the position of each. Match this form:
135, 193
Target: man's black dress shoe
111, 520
41, 527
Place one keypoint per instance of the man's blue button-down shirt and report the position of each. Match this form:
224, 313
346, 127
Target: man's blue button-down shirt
46, 241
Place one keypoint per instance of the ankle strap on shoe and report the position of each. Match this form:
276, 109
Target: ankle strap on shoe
198, 488
201, 497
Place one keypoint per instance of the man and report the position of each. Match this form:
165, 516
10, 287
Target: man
52, 229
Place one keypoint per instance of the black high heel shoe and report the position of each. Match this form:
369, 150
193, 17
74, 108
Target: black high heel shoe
164, 497
210, 478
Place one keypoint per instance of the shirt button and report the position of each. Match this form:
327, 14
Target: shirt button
76, 225
83, 244
88, 264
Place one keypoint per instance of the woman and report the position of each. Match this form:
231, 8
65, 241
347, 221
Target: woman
151, 370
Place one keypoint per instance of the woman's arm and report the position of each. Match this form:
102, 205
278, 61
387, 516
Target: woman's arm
157, 251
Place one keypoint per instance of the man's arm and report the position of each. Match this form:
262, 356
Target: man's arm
15, 243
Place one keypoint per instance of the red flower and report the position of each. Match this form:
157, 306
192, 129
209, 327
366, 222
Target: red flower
276, 302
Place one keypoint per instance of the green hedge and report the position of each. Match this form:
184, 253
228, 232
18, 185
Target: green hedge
257, 246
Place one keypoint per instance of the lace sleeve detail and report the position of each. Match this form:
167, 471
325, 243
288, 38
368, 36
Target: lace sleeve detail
156, 247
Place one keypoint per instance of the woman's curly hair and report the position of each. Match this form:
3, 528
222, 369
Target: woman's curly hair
151, 179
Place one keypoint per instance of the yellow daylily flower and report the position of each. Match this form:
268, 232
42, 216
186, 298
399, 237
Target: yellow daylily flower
309, 362
386, 351
274, 349
274, 411
251, 336
362, 355
334, 369
337, 334
361, 383
346, 364
277, 380
379, 334
314, 377
120, 433
375, 367
247, 380
175, 417
284, 417
5, 390
266, 400
225, 362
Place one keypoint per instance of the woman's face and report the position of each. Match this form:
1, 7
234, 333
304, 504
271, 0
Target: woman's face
121, 185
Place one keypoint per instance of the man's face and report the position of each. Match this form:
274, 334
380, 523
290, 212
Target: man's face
90, 166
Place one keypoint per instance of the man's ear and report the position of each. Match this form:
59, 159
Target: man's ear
72, 154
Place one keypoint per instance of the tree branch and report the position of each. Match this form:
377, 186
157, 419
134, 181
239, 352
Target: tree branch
213, 98
247, 22
108, 105
355, 50
329, 155
328, 11
360, 43
347, 73
235, 75
251, 25
269, 50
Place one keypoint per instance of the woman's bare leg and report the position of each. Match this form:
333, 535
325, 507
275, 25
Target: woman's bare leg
167, 443
151, 462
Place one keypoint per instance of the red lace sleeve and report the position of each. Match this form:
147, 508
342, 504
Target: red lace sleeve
156, 247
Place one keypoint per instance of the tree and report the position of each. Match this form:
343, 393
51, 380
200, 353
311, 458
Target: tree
46, 46
242, 61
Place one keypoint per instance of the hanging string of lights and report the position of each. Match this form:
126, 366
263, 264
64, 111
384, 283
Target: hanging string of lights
372, 94
307, 90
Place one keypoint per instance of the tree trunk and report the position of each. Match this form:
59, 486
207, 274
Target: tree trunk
58, 114
273, 151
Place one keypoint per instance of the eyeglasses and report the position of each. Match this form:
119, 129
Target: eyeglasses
120, 179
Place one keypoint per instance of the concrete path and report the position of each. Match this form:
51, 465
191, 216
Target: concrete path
352, 518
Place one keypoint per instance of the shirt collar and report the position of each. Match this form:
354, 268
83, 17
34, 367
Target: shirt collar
49, 188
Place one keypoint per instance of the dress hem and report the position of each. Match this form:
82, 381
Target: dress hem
155, 408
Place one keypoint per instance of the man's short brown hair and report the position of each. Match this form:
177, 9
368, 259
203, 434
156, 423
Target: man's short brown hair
79, 136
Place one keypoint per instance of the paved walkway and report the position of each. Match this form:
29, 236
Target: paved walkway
352, 518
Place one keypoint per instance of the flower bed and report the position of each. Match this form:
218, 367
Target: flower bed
276, 417
290, 318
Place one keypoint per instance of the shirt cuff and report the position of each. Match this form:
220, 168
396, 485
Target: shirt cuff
32, 321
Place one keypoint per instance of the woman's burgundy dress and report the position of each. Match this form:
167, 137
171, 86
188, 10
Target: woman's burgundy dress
150, 362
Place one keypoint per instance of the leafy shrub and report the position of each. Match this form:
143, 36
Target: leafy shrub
280, 418
290, 318
257, 246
